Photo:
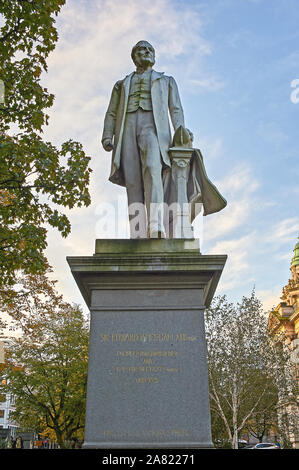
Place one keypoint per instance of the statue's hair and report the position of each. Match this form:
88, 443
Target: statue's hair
135, 47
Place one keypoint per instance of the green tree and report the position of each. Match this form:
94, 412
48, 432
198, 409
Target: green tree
46, 366
263, 422
246, 371
36, 178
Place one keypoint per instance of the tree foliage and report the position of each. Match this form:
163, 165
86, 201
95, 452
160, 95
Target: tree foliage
36, 178
263, 422
246, 370
46, 367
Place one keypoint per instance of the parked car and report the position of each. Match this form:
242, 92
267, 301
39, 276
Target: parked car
242, 443
265, 445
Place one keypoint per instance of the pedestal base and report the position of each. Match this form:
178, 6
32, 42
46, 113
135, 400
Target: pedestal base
147, 374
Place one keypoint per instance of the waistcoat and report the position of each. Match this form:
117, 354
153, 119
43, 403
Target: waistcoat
140, 93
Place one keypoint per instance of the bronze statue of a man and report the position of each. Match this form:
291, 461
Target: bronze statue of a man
137, 130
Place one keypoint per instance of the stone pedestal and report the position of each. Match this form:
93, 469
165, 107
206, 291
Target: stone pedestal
180, 163
147, 377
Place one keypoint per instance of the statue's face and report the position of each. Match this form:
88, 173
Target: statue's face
144, 54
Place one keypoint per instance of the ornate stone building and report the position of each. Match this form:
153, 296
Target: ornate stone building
284, 323
285, 317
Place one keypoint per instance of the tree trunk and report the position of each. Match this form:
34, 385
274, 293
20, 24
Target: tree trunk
235, 440
235, 413
60, 439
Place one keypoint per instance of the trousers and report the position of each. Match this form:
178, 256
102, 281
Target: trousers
142, 168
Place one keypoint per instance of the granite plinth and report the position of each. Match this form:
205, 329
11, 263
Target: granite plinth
147, 376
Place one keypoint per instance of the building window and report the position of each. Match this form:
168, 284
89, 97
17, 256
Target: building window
1, 413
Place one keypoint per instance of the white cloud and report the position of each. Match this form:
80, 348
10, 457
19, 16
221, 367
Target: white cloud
238, 188
246, 253
236, 270
284, 231
213, 148
272, 133
207, 83
240, 179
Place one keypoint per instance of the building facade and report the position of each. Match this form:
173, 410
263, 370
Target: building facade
6, 399
283, 325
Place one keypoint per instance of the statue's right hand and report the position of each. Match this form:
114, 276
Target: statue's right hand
107, 144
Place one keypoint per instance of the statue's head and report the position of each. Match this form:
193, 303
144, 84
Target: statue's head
143, 54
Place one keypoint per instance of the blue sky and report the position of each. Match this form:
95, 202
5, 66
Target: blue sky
234, 61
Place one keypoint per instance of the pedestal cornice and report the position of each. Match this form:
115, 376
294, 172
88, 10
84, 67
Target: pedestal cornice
158, 264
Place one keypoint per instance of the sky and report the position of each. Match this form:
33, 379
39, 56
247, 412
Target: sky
236, 63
